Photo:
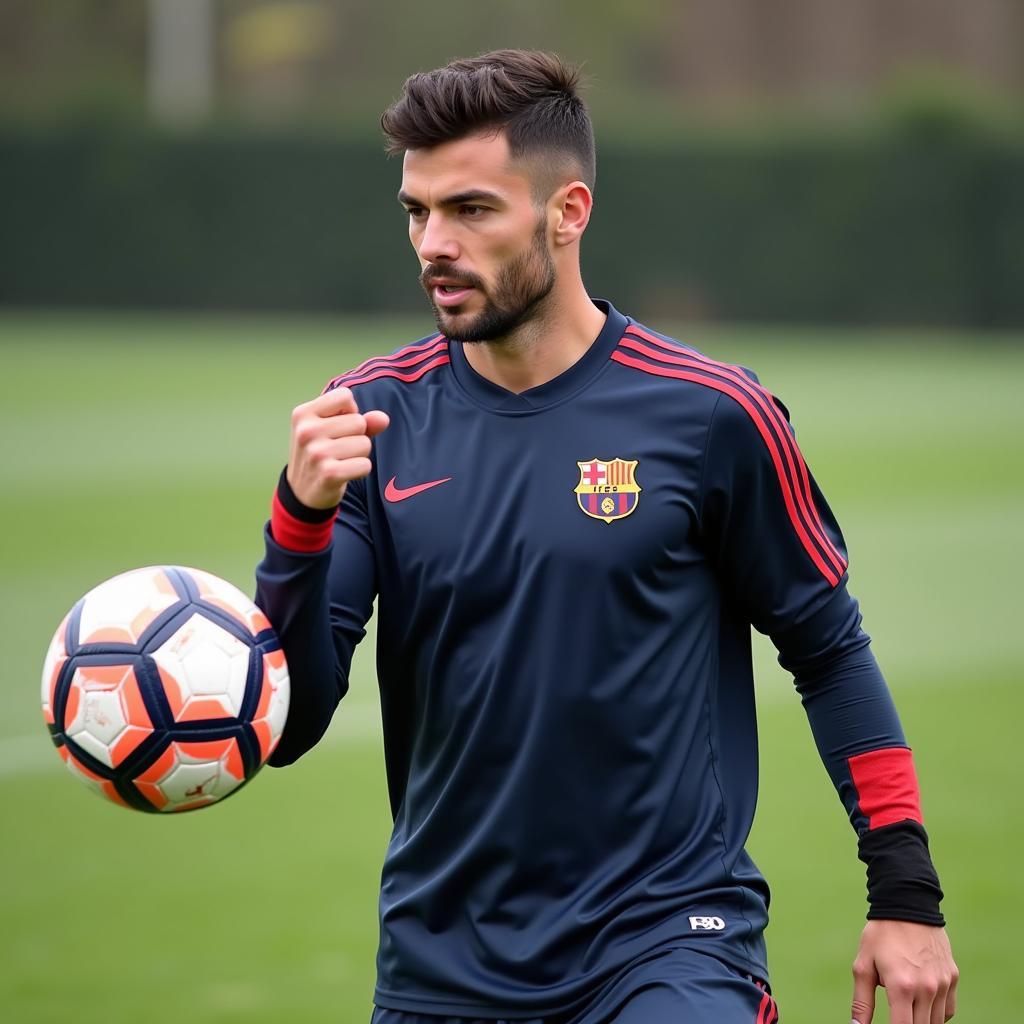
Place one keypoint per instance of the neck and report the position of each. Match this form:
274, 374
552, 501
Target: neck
542, 348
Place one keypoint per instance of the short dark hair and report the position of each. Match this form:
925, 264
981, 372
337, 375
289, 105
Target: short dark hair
530, 95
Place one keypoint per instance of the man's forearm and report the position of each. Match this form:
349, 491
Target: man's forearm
861, 743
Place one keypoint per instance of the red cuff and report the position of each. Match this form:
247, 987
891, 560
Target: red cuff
886, 784
295, 534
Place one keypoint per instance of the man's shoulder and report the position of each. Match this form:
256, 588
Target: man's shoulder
402, 366
679, 362
741, 407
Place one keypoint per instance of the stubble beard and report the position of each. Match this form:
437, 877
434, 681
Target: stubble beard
519, 292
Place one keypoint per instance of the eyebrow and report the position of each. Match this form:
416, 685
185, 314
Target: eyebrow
475, 195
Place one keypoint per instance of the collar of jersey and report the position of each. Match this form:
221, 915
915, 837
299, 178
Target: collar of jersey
556, 390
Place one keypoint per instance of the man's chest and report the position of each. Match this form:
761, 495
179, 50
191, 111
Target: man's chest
587, 492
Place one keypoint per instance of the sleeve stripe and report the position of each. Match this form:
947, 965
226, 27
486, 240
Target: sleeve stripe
763, 397
766, 435
403, 357
295, 534
387, 371
886, 785
758, 420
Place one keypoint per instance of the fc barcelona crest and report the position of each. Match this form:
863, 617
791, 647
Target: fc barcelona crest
607, 490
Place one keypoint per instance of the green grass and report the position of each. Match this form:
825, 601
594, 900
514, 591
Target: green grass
133, 440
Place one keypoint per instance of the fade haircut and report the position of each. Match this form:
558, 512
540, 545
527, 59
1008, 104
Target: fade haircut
530, 95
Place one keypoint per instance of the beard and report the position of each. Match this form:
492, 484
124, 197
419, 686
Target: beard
521, 286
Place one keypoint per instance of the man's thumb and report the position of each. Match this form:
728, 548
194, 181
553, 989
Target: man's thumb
376, 421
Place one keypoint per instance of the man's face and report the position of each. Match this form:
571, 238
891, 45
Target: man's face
481, 240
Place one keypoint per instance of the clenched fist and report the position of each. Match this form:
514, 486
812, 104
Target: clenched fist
330, 446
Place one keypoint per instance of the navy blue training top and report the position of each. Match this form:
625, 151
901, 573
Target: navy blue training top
566, 580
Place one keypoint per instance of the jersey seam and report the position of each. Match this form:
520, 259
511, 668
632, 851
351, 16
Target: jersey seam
722, 803
704, 463
723, 845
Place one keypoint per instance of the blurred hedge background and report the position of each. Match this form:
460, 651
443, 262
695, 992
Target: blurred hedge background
804, 160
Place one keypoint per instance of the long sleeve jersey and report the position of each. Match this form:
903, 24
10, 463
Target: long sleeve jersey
566, 581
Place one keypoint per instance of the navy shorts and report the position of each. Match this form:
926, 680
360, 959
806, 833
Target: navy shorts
681, 986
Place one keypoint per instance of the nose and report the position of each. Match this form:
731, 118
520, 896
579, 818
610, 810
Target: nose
437, 243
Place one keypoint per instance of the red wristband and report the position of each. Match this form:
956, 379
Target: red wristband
886, 786
295, 534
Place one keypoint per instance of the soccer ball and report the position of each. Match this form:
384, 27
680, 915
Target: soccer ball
165, 689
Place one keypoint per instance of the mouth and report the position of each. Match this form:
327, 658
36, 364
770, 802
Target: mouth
451, 294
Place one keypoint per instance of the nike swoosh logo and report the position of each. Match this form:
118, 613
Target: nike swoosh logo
395, 493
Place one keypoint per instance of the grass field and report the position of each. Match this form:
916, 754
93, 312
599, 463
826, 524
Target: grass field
136, 440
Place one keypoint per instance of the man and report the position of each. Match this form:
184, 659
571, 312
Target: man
570, 522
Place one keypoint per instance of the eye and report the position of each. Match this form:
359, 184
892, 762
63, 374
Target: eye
471, 211
415, 212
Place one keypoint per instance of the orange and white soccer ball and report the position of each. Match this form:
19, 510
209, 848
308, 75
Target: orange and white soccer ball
165, 689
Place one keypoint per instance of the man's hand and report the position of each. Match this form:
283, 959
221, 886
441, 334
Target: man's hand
915, 965
330, 446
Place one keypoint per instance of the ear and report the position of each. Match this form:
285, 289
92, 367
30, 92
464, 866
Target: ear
570, 212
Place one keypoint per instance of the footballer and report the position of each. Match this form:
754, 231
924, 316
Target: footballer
570, 522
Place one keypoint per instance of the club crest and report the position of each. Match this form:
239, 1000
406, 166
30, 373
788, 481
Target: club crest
607, 490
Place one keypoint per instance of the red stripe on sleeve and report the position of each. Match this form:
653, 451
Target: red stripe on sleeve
296, 535
766, 435
374, 373
886, 785
766, 403
403, 357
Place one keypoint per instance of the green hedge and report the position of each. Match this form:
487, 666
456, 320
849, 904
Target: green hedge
876, 229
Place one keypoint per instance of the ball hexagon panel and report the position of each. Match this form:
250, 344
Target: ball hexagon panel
105, 713
120, 609
189, 775
56, 655
101, 787
272, 710
231, 600
204, 669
